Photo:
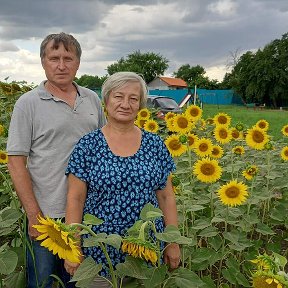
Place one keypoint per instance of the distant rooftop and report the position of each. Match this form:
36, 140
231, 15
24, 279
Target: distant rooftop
174, 81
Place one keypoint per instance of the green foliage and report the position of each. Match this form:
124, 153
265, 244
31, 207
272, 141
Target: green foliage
195, 75
149, 65
92, 82
261, 76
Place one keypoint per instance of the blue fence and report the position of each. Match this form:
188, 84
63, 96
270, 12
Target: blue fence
217, 97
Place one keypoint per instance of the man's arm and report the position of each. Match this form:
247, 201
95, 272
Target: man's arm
23, 186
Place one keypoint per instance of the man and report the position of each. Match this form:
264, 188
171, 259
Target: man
46, 124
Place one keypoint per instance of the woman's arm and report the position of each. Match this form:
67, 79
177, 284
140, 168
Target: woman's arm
76, 196
167, 204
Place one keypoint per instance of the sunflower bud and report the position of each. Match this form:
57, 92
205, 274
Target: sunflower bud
183, 139
239, 126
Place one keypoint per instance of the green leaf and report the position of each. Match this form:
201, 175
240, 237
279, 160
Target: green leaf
264, 229
229, 274
92, 220
112, 239
201, 224
280, 260
201, 254
157, 276
215, 242
9, 216
195, 208
8, 262
172, 234
87, 270
185, 278
149, 212
209, 232
242, 280
15, 279
132, 267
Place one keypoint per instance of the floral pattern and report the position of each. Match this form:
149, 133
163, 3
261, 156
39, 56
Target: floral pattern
119, 187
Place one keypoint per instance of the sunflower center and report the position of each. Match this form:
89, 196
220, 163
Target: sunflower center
232, 192
207, 169
142, 123
143, 114
191, 140
222, 120
262, 125
194, 112
203, 147
286, 129
223, 134
56, 238
152, 126
215, 151
258, 137
235, 134
175, 144
286, 152
2, 156
182, 122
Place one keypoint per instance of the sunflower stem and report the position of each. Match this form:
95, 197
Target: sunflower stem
104, 250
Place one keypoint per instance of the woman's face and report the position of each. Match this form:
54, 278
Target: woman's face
124, 102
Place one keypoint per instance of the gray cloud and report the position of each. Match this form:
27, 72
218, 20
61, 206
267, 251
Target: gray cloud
200, 32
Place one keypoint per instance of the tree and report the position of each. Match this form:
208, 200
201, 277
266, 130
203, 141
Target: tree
262, 76
149, 65
91, 82
195, 75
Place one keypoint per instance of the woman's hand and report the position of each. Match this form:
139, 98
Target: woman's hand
172, 255
71, 267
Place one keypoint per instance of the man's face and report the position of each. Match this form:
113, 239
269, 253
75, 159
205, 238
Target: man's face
60, 65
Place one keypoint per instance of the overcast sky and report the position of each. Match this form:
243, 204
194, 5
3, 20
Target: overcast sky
203, 32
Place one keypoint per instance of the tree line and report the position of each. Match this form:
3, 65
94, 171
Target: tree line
258, 77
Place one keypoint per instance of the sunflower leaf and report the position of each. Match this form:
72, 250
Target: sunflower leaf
87, 270
92, 220
149, 212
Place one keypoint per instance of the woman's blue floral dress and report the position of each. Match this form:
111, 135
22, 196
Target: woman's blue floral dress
119, 187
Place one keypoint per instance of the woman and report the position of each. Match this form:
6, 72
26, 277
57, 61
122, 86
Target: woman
116, 170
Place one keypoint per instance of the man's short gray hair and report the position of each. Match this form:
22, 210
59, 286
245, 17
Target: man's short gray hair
66, 39
118, 80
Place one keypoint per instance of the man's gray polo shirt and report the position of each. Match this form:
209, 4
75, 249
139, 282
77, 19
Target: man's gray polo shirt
45, 129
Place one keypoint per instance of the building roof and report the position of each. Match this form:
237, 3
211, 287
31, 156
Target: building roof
174, 81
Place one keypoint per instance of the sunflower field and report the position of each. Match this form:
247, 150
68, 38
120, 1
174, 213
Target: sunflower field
231, 190
232, 197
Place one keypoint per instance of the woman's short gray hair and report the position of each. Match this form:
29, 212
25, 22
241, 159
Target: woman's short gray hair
118, 80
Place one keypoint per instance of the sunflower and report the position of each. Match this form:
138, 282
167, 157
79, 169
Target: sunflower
175, 183
238, 150
284, 130
143, 114
284, 153
263, 281
236, 134
193, 112
217, 151
222, 119
57, 239
203, 147
233, 193
1, 129
139, 122
140, 249
250, 172
169, 124
169, 115
222, 134
256, 138
263, 262
192, 139
3, 157
239, 126
207, 170
209, 121
262, 124
182, 123
175, 147
151, 126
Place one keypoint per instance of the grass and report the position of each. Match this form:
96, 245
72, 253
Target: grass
276, 118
